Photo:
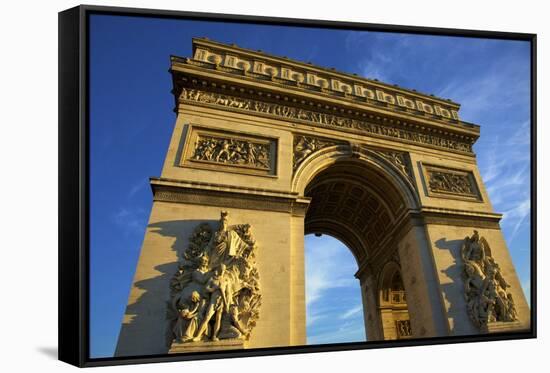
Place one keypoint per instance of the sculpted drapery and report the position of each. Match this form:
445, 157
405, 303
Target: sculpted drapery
215, 293
485, 289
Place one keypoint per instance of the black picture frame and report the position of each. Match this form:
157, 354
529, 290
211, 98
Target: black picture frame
74, 184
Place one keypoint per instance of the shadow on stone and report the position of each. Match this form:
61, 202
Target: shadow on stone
149, 309
454, 291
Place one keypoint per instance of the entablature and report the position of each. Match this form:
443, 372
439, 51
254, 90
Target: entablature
228, 83
355, 120
258, 66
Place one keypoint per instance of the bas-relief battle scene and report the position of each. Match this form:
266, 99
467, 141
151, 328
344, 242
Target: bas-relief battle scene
293, 204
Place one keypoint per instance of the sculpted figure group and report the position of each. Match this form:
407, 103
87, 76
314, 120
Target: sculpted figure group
304, 146
485, 289
449, 182
232, 151
215, 293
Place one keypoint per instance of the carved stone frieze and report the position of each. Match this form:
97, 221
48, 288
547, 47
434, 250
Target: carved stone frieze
232, 151
445, 182
320, 118
234, 60
450, 183
215, 293
304, 146
403, 328
399, 160
487, 298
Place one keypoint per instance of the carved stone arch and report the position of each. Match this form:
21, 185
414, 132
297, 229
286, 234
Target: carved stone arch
315, 163
392, 302
366, 196
361, 190
385, 277
342, 232
322, 159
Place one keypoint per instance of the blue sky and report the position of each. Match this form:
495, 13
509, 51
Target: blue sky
132, 119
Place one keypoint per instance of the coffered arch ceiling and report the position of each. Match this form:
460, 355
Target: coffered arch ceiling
356, 204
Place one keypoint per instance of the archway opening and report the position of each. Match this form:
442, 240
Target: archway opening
334, 307
358, 204
394, 313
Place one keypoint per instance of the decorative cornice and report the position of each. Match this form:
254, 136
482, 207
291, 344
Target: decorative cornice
258, 65
460, 218
165, 190
375, 126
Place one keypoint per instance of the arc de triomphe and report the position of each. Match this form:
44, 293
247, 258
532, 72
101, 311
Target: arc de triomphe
266, 149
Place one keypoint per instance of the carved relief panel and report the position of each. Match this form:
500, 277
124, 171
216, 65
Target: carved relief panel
215, 293
446, 182
403, 329
377, 127
486, 291
304, 146
230, 151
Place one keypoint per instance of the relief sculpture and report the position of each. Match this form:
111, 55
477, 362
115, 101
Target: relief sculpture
485, 289
325, 119
304, 146
232, 151
215, 294
403, 328
447, 182
399, 160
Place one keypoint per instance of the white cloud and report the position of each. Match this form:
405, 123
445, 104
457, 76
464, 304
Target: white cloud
505, 169
329, 266
517, 215
138, 186
349, 332
313, 316
325, 268
358, 309
132, 220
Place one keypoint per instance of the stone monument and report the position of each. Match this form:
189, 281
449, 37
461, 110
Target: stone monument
282, 148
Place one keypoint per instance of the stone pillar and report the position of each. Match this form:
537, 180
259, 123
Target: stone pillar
279, 237
297, 287
446, 242
421, 285
371, 313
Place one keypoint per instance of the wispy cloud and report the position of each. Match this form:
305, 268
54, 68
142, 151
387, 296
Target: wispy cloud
348, 332
498, 88
352, 312
131, 220
517, 215
137, 187
504, 163
325, 268
333, 295
313, 316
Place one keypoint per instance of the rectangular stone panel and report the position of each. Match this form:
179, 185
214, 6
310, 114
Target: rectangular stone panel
223, 150
443, 182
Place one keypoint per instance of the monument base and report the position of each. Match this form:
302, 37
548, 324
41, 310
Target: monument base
224, 344
504, 326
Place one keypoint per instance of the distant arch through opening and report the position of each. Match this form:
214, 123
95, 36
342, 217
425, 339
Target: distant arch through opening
360, 199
